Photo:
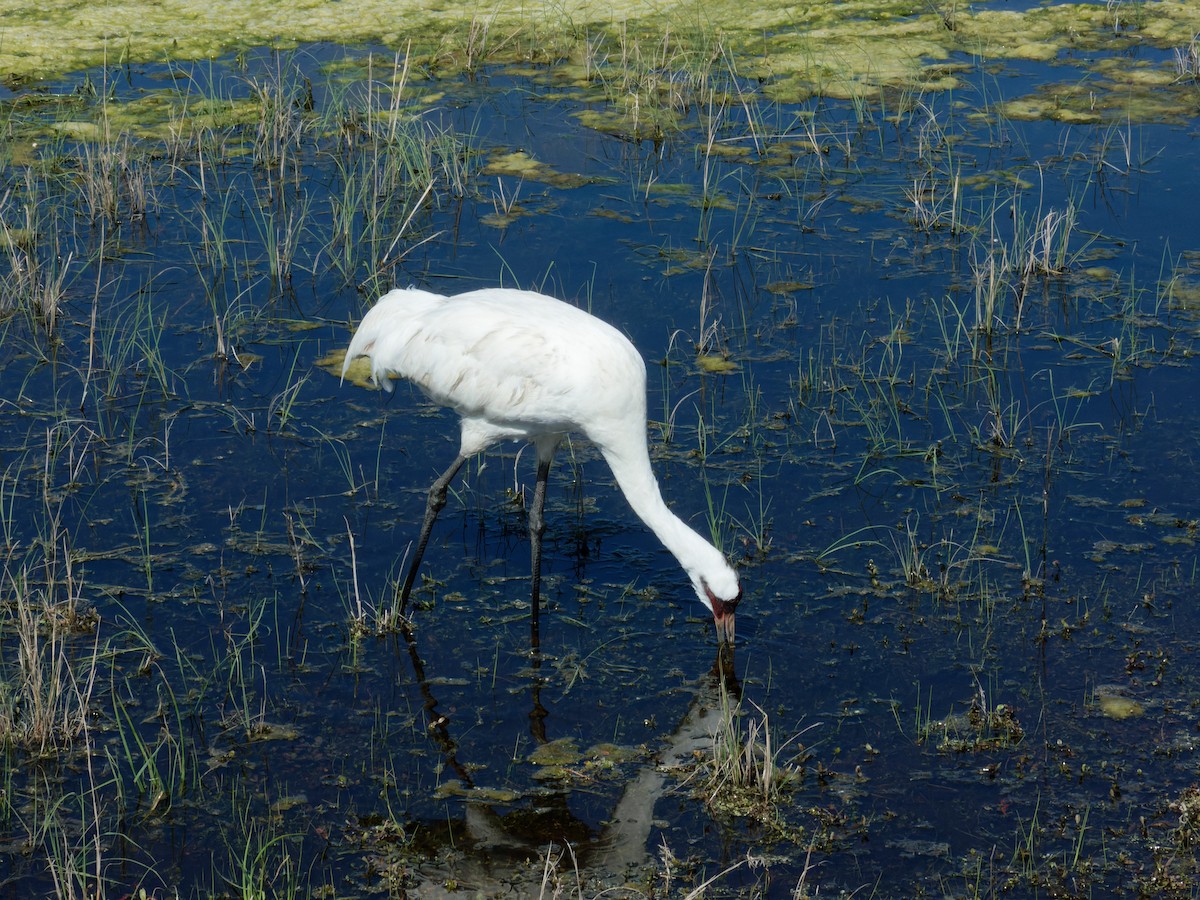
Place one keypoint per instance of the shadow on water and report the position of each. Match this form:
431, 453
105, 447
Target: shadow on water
498, 845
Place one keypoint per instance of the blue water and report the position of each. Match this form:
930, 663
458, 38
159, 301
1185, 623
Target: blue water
1059, 558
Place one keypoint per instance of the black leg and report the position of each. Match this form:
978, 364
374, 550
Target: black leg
537, 527
539, 713
438, 723
437, 499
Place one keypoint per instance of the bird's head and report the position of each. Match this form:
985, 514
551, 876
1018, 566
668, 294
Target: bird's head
721, 592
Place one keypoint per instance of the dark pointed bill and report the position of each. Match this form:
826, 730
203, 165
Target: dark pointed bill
723, 611
724, 626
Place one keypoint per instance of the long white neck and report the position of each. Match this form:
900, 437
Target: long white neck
703, 562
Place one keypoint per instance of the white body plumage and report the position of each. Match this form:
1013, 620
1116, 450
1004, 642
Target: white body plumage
520, 365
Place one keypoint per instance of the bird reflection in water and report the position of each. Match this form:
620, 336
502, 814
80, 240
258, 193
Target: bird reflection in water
500, 839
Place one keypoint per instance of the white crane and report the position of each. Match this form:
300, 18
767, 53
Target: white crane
516, 365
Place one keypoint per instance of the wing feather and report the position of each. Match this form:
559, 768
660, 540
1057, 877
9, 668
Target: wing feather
523, 362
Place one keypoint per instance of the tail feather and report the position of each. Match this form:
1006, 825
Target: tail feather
388, 313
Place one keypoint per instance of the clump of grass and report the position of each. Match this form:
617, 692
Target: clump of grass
262, 858
1187, 61
391, 165
505, 207
44, 700
283, 227
984, 726
650, 83
284, 101
987, 272
554, 883
746, 773
71, 834
114, 181
1004, 271
46, 681
36, 278
935, 203
1047, 249
935, 199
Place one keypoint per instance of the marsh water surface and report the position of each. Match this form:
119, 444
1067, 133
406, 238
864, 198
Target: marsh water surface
921, 346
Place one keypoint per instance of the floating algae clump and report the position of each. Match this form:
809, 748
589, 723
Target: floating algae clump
856, 41
1115, 706
846, 50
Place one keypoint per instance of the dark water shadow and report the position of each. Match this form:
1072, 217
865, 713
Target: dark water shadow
499, 842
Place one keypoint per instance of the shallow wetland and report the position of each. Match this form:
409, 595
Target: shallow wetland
918, 288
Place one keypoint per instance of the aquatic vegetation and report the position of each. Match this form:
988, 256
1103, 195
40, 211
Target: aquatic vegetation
1187, 60
646, 59
746, 773
48, 690
984, 726
922, 329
